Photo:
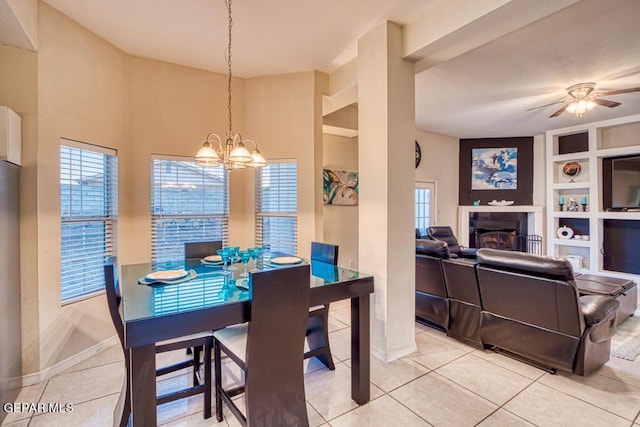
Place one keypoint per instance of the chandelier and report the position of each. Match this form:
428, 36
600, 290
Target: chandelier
233, 154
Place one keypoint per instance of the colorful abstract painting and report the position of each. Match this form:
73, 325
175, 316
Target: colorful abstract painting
494, 168
339, 187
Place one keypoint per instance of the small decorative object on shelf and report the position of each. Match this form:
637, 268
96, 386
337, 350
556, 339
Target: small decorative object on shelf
571, 169
500, 203
564, 232
561, 203
572, 206
584, 203
476, 203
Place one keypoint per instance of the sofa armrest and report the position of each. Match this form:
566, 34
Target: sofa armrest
468, 252
600, 316
595, 308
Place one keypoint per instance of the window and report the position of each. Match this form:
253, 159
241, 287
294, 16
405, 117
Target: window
189, 203
277, 206
425, 204
88, 209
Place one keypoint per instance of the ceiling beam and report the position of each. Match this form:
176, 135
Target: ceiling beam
455, 27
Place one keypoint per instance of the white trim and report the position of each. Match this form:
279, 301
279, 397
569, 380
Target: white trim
395, 355
88, 146
51, 371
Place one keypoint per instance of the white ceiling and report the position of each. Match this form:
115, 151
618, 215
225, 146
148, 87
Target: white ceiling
482, 93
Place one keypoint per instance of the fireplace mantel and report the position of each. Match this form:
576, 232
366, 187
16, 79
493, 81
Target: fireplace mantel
535, 215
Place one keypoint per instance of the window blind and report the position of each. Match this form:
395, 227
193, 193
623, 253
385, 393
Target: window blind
277, 206
189, 203
88, 208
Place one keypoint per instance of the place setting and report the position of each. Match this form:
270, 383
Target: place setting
168, 277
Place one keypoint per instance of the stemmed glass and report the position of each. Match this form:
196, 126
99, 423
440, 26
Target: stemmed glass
245, 256
233, 256
225, 254
255, 254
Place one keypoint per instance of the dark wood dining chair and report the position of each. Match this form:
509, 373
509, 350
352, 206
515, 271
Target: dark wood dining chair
318, 323
201, 249
269, 349
201, 343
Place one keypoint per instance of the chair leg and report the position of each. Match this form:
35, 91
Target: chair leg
207, 378
196, 364
218, 379
318, 338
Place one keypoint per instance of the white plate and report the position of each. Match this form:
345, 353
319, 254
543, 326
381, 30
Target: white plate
285, 260
213, 258
166, 275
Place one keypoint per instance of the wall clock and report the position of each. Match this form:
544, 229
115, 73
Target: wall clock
418, 154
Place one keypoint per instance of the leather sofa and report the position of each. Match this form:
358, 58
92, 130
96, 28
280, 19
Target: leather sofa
447, 294
527, 306
445, 234
532, 309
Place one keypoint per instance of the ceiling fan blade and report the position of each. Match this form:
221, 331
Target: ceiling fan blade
605, 103
560, 111
617, 92
545, 105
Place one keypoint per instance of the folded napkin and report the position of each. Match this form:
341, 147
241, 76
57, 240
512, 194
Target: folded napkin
191, 274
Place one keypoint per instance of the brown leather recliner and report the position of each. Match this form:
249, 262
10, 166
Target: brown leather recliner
432, 304
465, 303
445, 234
531, 309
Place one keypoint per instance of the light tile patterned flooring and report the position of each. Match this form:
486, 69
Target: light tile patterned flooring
444, 383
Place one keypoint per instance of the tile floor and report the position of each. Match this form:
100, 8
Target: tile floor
444, 383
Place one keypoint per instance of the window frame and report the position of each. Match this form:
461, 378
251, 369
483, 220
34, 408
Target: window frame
110, 220
433, 187
260, 215
224, 216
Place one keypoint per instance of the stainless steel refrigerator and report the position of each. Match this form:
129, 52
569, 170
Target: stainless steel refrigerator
10, 324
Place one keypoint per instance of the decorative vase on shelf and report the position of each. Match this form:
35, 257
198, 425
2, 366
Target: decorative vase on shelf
571, 169
572, 205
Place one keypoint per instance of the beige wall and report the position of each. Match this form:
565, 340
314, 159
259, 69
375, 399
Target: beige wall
19, 91
341, 222
281, 114
82, 94
440, 164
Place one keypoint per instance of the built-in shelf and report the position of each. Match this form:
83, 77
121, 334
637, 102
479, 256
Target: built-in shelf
564, 214
570, 185
572, 242
620, 141
339, 131
570, 156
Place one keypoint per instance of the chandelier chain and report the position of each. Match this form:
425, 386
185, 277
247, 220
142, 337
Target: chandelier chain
229, 68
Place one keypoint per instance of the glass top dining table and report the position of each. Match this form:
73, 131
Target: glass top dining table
209, 287
209, 300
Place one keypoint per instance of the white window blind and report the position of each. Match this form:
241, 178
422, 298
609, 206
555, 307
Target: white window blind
277, 206
88, 207
425, 204
189, 203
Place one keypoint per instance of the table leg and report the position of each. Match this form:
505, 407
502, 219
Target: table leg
143, 386
360, 370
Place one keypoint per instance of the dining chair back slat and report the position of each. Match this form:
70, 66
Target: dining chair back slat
324, 252
201, 249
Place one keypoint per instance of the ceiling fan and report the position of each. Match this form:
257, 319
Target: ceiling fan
583, 99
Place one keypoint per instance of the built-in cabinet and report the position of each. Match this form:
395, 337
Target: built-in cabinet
576, 217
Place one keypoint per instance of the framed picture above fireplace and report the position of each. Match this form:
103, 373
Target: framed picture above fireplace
496, 169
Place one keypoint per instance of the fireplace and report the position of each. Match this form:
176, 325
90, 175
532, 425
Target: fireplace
498, 230
526, 221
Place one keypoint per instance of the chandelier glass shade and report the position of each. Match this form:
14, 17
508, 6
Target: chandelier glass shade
233, 153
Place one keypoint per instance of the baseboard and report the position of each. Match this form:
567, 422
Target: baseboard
395, 355
45, 374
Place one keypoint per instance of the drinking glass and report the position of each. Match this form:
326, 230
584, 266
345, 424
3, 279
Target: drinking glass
245, 256
225, 255
233, 257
